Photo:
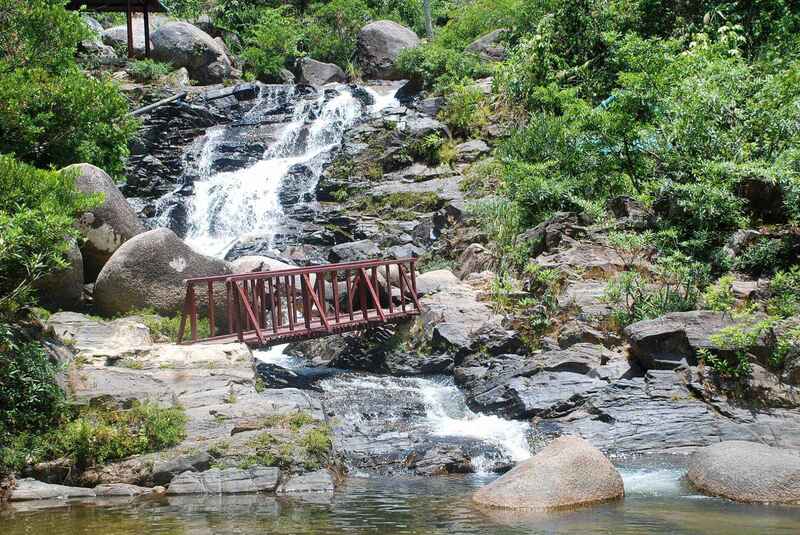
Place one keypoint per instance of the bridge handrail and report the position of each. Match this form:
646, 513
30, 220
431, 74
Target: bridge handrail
251, 300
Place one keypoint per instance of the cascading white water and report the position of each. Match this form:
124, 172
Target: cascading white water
229, 205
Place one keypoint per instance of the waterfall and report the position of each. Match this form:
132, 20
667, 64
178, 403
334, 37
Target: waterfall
229, 205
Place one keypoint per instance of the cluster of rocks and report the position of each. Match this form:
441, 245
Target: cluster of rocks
117, 363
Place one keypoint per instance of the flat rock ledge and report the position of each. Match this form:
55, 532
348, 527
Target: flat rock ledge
319, 481
566, 474
29, 489
746, 472
227, 481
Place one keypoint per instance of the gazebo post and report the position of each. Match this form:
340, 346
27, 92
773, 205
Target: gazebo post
129, 17
146, 31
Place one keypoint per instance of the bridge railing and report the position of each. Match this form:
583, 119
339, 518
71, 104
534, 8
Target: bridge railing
271, 307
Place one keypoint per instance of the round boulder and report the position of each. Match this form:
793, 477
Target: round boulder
108, 225
148, 271
63, 289
378, 45
746, 472
185, 45
313, 72
568, 473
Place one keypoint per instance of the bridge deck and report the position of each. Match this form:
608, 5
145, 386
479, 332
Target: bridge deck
275, 307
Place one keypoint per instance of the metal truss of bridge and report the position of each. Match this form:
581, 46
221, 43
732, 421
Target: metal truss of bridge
274, 307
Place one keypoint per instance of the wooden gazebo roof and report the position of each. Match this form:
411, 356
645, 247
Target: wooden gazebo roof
153, 6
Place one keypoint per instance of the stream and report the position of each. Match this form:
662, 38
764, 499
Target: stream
377, 420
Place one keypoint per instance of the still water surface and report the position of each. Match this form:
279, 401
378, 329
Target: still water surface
657, 503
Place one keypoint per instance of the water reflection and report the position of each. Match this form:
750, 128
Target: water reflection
406, 506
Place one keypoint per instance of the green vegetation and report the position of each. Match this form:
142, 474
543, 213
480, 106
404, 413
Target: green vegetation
146, 70
166, 329
51, 113
309, 443
97, 435
37, 214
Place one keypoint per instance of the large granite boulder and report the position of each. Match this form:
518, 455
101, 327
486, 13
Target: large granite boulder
63, 289
117, 36
107, 226
568, 473
379, 43
149, 271
747, 472
313, 72
185, 45
490, 47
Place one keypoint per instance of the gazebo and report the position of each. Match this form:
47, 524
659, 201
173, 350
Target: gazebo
129, 7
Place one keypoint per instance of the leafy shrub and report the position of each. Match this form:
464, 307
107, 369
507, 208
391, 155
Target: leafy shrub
145, 70
331, 29
52, 114
719, 296
435, 67
37, 214
30, 399
784, 290
270, 44
674, 287
465, 110
732, 359
766, 256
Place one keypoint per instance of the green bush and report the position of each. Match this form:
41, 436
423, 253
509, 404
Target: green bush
270, 44
331, 28
784, 288
37, 215
52, 114
435, 67
145, 70
99, 435
30, 399
466, 110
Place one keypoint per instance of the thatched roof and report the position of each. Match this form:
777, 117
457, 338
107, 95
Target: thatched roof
116, 5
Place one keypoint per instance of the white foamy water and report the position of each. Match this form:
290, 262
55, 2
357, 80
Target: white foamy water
276, 355
228, 206
448, 416
653, 482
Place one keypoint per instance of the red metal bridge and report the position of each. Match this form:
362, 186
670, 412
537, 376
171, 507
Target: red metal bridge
273, 307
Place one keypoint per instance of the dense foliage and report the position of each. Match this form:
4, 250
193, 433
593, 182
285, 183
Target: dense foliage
51, 113
37, 214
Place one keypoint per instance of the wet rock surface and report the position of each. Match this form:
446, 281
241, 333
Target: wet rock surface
227, 481
567, 473
747, 472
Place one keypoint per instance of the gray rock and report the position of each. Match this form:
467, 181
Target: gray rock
431, 106
436, 281
117, 37
63, 289
85, 333
149, 270
568, 473
227, 481
251, 264
673, 339
30, 489
121, 489
319, 481
93, 25
469, 151
490, 47
164, 471
313, 72
107, 226
747, 472
184, 45
351, 251
563, 228
739, 241
475, 259
378, 45
440, 460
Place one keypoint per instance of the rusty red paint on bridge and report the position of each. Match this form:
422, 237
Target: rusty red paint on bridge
267, 308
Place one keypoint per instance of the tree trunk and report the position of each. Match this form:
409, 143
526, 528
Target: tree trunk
426, 4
